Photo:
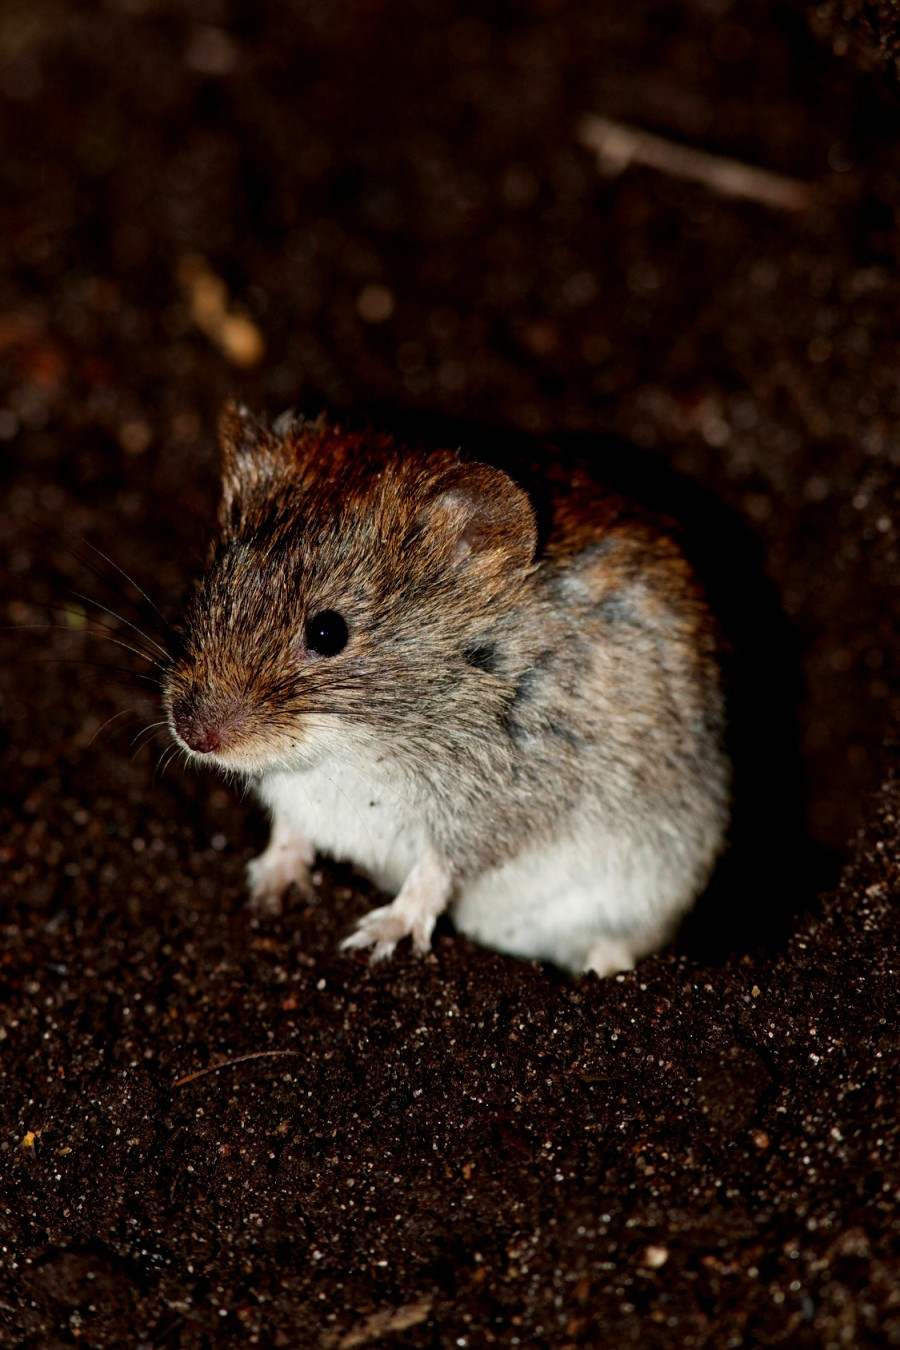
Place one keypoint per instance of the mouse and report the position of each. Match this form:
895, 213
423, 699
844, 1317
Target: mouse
495, 692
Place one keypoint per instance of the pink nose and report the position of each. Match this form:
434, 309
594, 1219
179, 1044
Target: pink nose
203, 740
206, 722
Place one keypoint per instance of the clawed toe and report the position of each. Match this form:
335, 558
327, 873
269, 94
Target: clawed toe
412, 914
382, 930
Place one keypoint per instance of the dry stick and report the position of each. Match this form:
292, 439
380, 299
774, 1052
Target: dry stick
228, 1063
617, 145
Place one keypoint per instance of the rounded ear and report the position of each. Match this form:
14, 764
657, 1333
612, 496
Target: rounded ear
247, 450
482, 512
242, 439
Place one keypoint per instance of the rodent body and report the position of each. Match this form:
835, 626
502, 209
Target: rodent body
525, 730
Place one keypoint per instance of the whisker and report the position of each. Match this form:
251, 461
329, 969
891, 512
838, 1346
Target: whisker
64, 628
115, 672
121, 592
164, 761
109, 721
113, 615
97, 628
154, 726
153, 735
147, 610
122, 573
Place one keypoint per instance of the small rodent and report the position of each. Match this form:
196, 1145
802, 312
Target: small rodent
522, 725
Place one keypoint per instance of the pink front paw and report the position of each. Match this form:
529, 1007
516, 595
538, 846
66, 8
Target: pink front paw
381, 929
272, 873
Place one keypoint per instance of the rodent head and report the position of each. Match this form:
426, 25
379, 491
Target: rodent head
353, 582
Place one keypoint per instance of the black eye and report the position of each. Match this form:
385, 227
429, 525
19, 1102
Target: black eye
326, 633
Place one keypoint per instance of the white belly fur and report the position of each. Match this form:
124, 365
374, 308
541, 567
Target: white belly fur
550, 903
556, 902
351, 815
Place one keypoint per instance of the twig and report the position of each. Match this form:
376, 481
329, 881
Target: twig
617, 145
378, 1325
228, 1063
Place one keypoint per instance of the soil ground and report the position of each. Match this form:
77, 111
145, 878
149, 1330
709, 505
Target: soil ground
463, 1150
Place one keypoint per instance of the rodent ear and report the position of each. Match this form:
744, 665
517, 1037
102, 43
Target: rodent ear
242, 438
246, 449
484, 512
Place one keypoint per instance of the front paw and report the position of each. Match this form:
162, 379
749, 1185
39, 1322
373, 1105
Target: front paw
269, 879
381, 929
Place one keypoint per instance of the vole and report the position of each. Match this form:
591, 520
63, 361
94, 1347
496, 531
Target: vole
522, 725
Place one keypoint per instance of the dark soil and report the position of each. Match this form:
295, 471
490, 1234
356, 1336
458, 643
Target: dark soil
462, 1150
